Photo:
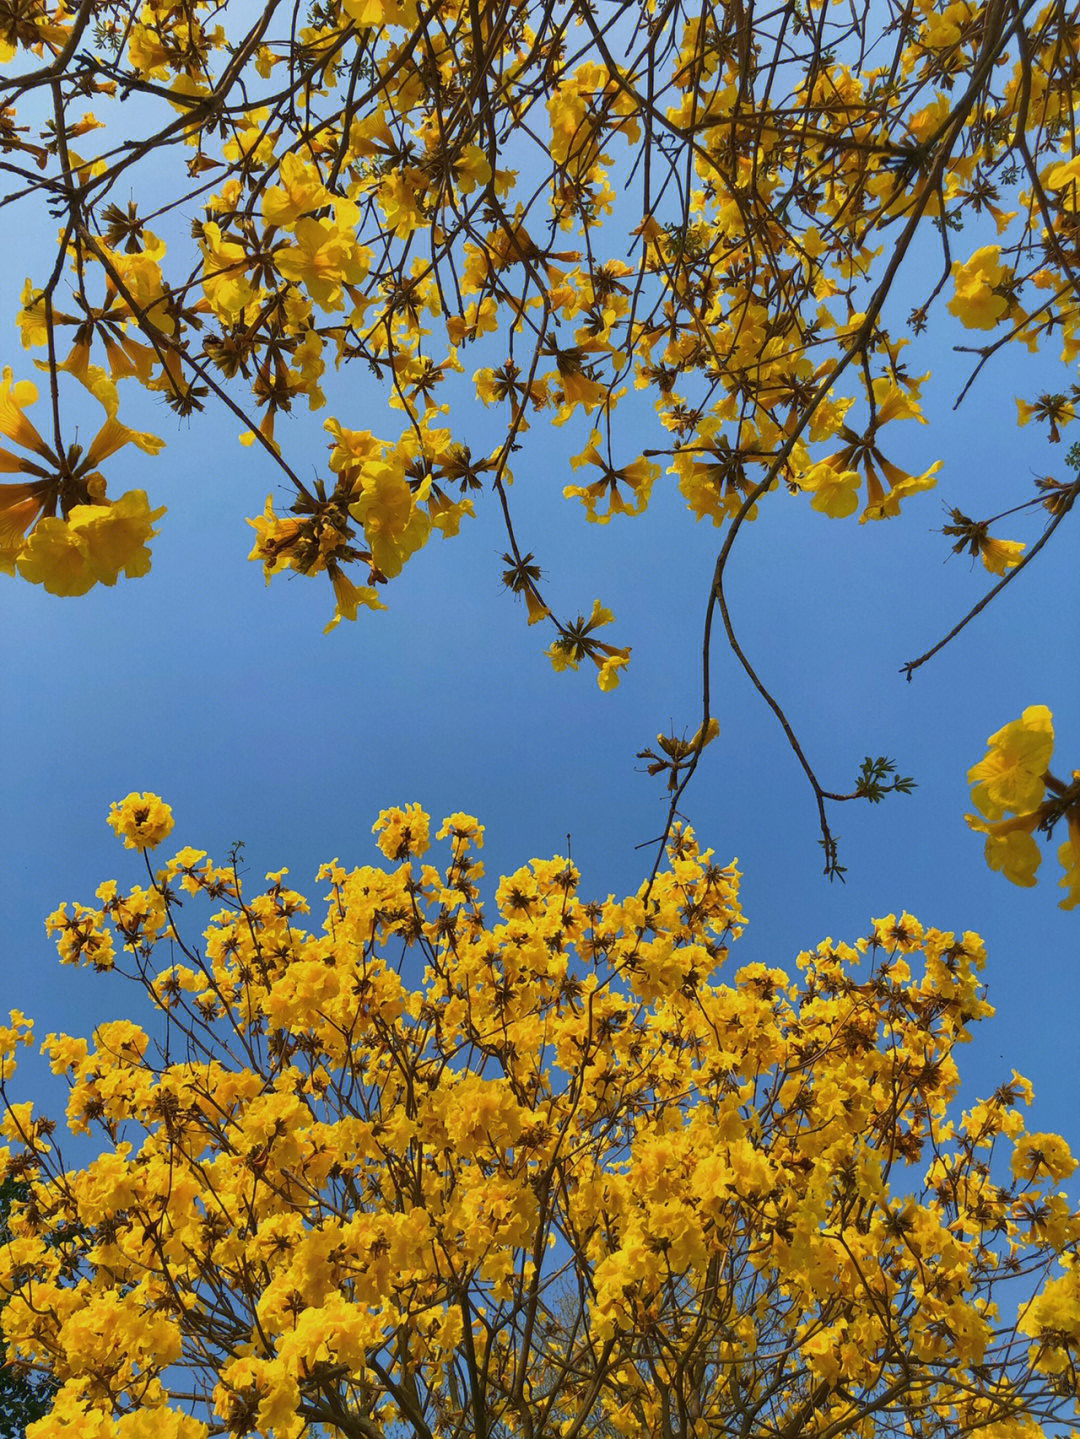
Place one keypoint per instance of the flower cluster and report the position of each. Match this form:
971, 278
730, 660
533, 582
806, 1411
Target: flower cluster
143, 820
1017, 797
58, 529
382, 231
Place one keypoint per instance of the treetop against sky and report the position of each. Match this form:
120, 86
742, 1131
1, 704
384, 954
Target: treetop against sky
563, 1181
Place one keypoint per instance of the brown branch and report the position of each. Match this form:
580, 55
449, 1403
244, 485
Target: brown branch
1065, 500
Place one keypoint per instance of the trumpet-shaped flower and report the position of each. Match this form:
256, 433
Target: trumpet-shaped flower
350, 597
394, 525
1010, 777
978, 302
638, 477
835, 492
1011, 849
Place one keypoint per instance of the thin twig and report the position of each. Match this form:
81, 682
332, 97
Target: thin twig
1065, 500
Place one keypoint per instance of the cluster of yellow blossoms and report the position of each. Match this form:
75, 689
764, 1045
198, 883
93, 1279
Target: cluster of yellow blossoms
771, 185
710, 212
77, 537
1016, 794
564, 1167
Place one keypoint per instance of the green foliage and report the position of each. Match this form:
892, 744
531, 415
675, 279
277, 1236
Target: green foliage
873, 782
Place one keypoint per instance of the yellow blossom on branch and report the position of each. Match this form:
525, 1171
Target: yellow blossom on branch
1015, 777
143, 820
1011, 775
978, 301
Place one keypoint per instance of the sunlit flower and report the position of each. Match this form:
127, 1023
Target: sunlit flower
142, 820
1010, 777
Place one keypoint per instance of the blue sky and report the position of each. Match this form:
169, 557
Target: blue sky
223, 696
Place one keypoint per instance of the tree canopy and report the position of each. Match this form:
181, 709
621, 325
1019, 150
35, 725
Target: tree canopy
580, 1174
22, 1400
745, 217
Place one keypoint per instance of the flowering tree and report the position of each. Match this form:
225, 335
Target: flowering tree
21, 1399
402, 186
567, 1170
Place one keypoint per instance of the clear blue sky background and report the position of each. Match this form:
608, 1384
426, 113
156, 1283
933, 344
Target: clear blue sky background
225, 698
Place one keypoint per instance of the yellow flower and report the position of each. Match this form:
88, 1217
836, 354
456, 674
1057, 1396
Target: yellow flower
116, 535
353, 448
92, 539
14, 397
1056, 410
143, 820
576, 642
580, 388
393, 525
1065, 176
462, 826
472, 169
58, 557
402, 832
885, 504
276, 540
894, 402
976, 302
225, 282
639, 478
446, 514
973, 536
349, 597
142, 279
836, 492
1036, 1156
534, 606
20, 506
1001, 555
400, 201
1053, 1318
147, 54
561, 658
609, 666
1069, 858
300, 192
94, 544
1010, 777
323, 259
253, 143
31, 318
367, 13
1010, 847
113, 436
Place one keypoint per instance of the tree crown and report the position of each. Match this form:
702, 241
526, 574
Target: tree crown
561, 1170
